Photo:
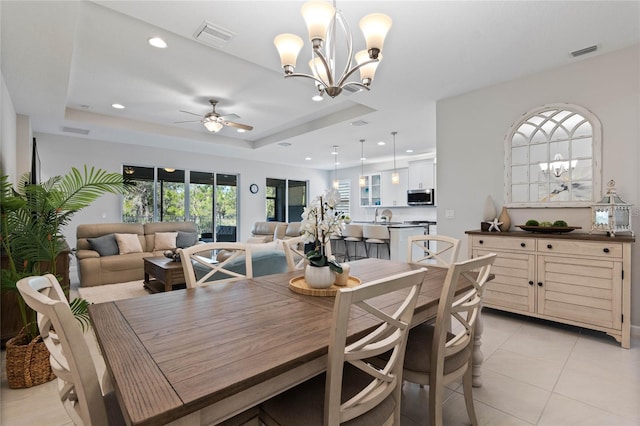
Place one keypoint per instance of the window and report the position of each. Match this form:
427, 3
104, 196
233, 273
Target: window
552, 158
285, 199
161, 194
344, 188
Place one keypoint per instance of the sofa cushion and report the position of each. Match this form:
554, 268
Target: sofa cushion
128, 243
105, 245
165, 241
186, 239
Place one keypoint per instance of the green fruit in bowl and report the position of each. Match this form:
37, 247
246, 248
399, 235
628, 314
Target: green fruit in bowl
532, 222
560, 224
545, 223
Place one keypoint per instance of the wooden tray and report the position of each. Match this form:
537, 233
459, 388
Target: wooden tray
548, 229
299, 285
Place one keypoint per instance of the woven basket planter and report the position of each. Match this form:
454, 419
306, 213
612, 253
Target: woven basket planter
27, 362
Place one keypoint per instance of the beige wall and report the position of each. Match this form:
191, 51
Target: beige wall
471, 129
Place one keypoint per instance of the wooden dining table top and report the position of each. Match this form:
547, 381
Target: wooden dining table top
174, 353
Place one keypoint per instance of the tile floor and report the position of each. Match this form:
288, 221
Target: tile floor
535, 373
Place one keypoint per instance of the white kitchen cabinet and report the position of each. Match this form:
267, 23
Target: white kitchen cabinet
395, 195
579, 279
371, 193
421, 174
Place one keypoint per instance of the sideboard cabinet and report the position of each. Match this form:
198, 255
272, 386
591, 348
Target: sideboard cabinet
577, 279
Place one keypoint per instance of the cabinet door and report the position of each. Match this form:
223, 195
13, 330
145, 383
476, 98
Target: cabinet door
376, 190
394, 194
582, 290
421, 174
513, 287
365, 192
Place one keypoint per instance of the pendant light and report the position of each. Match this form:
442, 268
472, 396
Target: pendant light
362, 181
395, 177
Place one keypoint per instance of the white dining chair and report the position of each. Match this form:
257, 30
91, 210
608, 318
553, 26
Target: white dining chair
215, 271
78, 384
352, 388
437, 357
376, 235
294, 253
433, 250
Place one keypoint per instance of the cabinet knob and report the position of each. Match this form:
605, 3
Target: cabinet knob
606, 250
523, 244
539, 284
530, 282
549, 246
481, 242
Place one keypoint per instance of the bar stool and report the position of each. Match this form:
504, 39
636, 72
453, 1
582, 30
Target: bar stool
376, 234
334, 240
352, 233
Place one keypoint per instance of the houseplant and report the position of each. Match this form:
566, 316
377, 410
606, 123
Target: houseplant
32, 218
320, 221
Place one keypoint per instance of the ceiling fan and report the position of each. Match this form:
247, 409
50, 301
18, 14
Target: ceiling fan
213, 121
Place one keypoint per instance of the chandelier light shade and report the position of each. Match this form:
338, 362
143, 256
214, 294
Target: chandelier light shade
395, 177
323, 21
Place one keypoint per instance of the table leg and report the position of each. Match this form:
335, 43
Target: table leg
168, 286
477, 355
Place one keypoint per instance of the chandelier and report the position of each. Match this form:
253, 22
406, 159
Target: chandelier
558, 166
322, 21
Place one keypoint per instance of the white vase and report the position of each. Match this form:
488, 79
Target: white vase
319, 276
489, 211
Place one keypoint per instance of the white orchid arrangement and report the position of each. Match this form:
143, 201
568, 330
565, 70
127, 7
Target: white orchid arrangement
320, 221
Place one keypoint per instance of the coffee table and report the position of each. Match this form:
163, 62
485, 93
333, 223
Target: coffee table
165, 273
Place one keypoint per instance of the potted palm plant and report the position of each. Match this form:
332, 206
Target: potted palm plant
32, 218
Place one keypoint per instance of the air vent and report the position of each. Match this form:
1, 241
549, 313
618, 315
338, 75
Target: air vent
75, 130
584, 51
351, 89
213, 35
359, 123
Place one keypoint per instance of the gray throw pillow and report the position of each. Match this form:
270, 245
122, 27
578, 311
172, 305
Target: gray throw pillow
186, 239
105, 245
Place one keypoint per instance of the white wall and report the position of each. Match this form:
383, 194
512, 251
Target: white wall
59, 153
7, 133
471, 129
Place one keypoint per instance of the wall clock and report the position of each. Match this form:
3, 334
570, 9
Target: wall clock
253, 188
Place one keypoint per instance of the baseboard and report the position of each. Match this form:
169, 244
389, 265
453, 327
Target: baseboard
635, 331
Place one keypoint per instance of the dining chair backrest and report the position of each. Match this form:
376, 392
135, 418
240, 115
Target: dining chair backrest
201, 254
70, 358
433, 250
390, 335
294, 253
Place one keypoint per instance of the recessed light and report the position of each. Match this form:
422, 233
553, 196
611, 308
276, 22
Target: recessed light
157, 42
317, 98
382, 143
363, 158
117, 106
409, 151
241, 130
307, 158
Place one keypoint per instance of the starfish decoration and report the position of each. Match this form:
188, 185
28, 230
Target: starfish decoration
495, 225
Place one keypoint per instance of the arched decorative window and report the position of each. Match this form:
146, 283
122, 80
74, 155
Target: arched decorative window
553, 158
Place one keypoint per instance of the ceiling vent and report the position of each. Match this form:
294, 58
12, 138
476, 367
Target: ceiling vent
75, 130
359, 123
213, 35
584, 51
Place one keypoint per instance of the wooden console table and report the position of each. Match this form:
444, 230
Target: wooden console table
578, 279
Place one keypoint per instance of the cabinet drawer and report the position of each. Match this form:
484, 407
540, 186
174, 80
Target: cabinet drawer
503, 243
580, 248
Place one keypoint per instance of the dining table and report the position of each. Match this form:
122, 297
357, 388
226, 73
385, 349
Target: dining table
204, 355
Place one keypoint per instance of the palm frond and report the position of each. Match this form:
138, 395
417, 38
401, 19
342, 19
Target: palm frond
79, 308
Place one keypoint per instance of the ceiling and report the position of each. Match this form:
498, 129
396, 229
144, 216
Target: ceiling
65, 63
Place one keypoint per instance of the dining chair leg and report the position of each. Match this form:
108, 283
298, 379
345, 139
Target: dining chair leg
436, 399
467, 385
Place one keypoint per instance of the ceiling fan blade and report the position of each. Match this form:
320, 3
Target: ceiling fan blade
190, 121
192, 113
237, 125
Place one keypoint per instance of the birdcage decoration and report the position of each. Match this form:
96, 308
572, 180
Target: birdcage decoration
611, 215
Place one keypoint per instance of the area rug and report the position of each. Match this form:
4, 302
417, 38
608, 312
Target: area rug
110, 292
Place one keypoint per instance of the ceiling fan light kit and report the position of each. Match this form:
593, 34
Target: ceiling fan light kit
214, 122
322, 21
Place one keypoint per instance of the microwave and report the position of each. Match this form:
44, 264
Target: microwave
421, 197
